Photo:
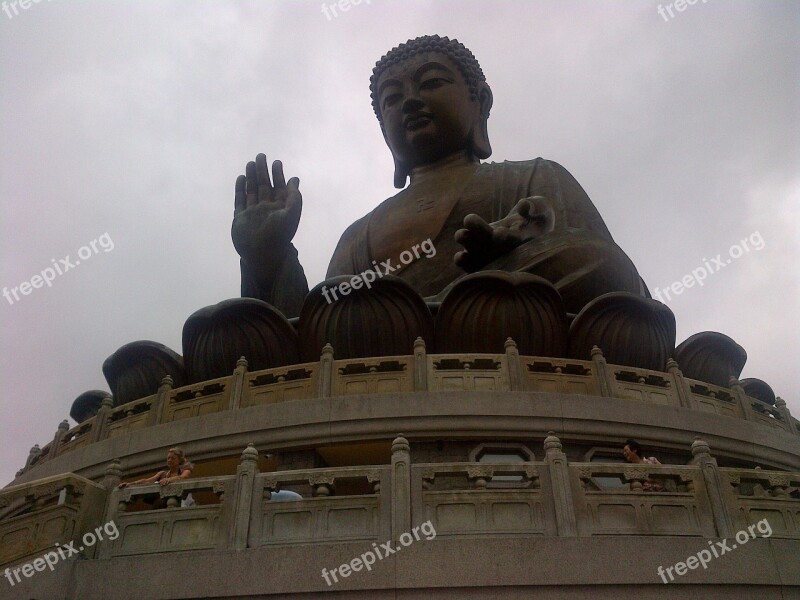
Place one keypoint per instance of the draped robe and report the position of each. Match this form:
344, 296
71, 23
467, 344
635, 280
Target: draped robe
578, 256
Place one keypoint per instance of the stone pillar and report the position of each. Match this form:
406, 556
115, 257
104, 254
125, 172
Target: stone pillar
326, 372
604, 379
739, 394
63, 428
245, 480
780, 404
100, 427
560, 484
237, 389
115, 504
681, 385
35, 452
420, 366
157, 408
515, 381
401, 486
715, 487
112, 476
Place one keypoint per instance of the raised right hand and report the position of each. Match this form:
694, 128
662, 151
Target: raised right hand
266, 213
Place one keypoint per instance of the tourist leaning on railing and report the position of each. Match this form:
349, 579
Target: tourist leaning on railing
633, 454
178, 468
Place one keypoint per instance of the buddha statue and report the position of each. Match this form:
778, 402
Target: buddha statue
432, 103
510, 250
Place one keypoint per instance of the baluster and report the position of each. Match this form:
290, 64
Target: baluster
420, 366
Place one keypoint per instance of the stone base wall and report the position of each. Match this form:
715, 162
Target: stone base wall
596, 568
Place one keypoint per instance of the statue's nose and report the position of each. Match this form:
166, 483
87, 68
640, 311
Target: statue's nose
412, 104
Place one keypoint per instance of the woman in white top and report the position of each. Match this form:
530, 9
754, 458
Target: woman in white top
633, 454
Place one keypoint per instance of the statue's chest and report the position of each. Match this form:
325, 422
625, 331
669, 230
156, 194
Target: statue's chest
409, 219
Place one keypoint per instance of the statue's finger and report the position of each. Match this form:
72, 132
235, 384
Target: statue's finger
240, 196
262, 172
251, 184
477, 225
524, 208
500, 235
294, 203
278, 179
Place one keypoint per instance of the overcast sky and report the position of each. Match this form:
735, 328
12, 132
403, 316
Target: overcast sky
133, 119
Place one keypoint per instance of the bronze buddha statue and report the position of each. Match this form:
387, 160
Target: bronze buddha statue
432, 102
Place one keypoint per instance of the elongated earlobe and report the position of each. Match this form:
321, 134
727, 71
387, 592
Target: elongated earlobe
480, 130
401, 172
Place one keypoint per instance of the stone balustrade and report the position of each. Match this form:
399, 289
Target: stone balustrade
323, 515
419, 372
205, 526
36, 516
547, 498
757, 494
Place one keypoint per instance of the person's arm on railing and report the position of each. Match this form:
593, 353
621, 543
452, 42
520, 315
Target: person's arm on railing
145, 481
185, 473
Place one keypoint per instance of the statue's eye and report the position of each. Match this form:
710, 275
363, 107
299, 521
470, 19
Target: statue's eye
433, 83
390, 100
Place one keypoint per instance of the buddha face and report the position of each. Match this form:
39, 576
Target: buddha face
426, 109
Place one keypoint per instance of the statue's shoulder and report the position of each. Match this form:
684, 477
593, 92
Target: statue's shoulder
533, 164
357, 226
540, 170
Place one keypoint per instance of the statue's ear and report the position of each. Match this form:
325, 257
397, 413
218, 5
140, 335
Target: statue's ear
401, 171
480, 133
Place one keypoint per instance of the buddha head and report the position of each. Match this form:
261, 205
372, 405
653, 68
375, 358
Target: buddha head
432, 101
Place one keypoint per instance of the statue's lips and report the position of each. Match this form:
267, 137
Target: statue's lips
417, 121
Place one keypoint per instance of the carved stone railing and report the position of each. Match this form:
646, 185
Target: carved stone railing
757, 494
167, 525
716, 399
466, 499
680, 508
77, 437
373, 375
644, 385
770, 415
239, 511
36, 516
471, 372
420, 372
323, 514
197, 400
548, 498
130, 417
280, 385
560, 375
